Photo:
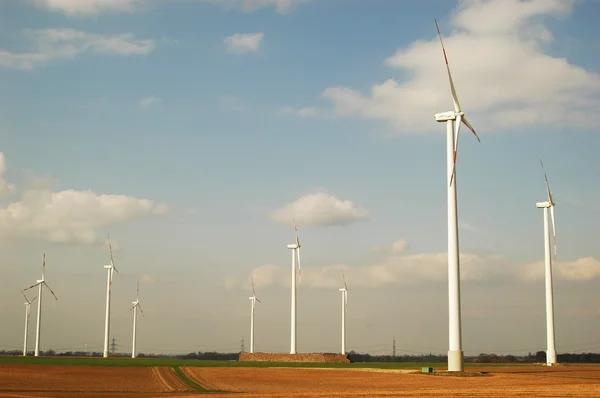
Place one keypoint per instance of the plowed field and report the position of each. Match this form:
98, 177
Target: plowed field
22, 380
572, 381
98, 381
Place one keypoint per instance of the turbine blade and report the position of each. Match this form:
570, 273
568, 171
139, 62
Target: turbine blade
553, 231
138, 291
141, 310
45, 284
131, 309
44, 267
547, 185
257, 300
456, 135
346, 300
454, 96
470, 127
34, 285
112, 262
26, 299
299, 269
297, 234
253, 291
33, 299
344, 278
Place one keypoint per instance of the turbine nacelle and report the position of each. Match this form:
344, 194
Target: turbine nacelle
542, 205
343, 289
445, 116
293, 246
109, 266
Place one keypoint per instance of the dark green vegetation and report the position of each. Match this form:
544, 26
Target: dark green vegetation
175, 363
191, 383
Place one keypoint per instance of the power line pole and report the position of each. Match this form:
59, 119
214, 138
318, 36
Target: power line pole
394, 348
113, 345
242, 349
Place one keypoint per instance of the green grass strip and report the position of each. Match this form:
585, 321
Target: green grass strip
191, 383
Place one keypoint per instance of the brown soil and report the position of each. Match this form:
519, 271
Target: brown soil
269, 357
18, 379
120, 382
290, 382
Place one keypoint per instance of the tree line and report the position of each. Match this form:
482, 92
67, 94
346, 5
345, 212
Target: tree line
537, 357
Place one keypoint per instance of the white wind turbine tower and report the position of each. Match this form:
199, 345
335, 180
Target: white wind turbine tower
295, 256
136, 304
344, 291
27, 313
109, 268
453, 120
551, 350
39, 284
253, 301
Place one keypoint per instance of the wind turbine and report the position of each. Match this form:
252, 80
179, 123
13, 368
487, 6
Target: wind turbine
39, 284
27, 313
551, 350
295, 256
344, 291
453, 120
253, 301
109, 268
136, 304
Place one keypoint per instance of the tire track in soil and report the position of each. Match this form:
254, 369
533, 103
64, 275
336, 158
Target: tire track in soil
195, 374
167, 377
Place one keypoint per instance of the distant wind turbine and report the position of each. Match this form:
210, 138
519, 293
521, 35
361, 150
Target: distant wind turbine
27, 313
453, 120
550, 340
109, 268
253, 300
295, 256
39, 284
344, 291
136, 304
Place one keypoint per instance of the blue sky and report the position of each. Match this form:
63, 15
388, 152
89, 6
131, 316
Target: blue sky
334, 102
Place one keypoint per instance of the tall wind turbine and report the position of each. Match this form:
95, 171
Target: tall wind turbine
453, 120
253, 301
295, 256
27, 313
109, 271
136, 304
344, 291
39, 284
551, 350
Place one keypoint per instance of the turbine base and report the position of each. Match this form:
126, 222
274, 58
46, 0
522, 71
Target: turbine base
455, 361
551, 357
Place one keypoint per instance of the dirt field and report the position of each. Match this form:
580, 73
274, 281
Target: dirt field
96, 381
572, 381
22, 380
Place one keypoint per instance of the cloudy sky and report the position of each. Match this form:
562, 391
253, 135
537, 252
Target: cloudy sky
194, 130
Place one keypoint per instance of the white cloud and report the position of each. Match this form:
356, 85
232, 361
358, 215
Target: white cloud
65, 43
149, 101
395, 269
398, 270
232, 103
281, 6
70, 216
319, 209
302, 112
502, 74
147, 279
240, 43
86, 7
6, 188
582, 269
399, 246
